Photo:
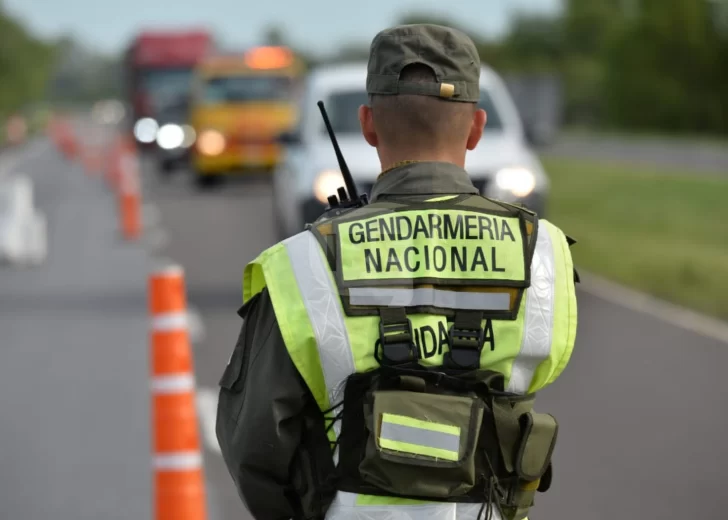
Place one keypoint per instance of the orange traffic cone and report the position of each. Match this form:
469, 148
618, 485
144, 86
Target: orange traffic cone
91, 161
112, 164
178, 481
129, 194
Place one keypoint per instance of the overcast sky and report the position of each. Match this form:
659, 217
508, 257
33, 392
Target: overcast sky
109, 25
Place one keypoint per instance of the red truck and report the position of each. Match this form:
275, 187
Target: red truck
159, 70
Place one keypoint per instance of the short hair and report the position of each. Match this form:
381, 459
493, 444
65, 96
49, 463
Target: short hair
415, 121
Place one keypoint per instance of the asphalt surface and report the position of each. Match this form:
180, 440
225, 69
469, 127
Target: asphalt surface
74, 435
641, 405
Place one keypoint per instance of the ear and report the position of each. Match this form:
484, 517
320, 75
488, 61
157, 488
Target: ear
367, 125
476, 128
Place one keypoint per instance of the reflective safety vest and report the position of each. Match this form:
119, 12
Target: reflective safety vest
327, 283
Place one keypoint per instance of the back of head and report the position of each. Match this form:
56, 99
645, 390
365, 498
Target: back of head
423, 82
421, 122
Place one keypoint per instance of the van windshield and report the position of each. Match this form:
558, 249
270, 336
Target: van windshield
241, 89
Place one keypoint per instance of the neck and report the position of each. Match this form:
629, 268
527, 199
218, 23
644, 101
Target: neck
390, 158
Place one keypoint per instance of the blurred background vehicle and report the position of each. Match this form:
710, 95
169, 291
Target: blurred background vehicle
108, 112
241, 104
502, 166
159, 68
175, 136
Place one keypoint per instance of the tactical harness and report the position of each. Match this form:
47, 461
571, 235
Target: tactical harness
448, 433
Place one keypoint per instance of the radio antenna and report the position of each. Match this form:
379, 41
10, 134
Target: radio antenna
348, 180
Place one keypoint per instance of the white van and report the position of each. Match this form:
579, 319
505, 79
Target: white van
502, 166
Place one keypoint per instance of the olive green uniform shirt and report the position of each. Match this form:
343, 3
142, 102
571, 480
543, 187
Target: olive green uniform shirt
265, 406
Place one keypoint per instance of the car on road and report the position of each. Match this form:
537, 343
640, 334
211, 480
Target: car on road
502, 166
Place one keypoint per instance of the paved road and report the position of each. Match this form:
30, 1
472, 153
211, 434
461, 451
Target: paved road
74, 435
672, 155
641, 407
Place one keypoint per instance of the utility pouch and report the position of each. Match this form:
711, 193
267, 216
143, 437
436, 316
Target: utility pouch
532, 463
537, 445
421, 445
445, 436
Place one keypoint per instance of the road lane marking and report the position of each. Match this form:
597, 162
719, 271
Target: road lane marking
195, 325
156, 239
151, 216
207, 409
660, 309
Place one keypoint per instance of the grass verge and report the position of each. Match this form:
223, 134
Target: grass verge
666, 235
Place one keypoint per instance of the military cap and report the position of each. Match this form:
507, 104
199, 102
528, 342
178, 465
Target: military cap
450, 53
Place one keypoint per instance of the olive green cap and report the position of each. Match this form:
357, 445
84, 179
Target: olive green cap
450, 53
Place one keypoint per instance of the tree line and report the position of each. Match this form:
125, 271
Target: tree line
626, 64
25, 64
653, 65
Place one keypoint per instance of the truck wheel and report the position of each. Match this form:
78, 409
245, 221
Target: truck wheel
206, 182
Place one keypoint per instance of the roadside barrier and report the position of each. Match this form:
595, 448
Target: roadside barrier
179, 492
92, 160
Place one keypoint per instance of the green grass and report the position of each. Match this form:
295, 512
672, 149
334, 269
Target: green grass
717, 141
663, 234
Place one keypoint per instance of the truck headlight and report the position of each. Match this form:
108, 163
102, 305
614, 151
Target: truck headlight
326, 184
170, 137
211, 142
145, 130
516, 180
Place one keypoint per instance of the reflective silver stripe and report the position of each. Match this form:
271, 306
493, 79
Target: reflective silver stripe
323, 305
420, 437
344, 508
170, 322
178, 461
539, 317
400, 297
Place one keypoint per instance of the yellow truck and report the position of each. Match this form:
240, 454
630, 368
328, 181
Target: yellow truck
240, 107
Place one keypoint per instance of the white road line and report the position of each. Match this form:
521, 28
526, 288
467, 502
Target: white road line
207, 410
151, 216
660, 309
195, 325
156, 239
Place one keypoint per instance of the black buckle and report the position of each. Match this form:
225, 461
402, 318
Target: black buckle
396, 344
465, 348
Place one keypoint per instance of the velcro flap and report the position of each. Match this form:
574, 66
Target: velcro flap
413, 425
537, 444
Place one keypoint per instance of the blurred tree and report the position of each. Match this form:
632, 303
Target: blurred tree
668, 70
24, 65
535, 43
81, 75
274, 35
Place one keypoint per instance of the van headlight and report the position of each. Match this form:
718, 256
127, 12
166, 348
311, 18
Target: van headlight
211, 142
516, 180
326, 184
170, 137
